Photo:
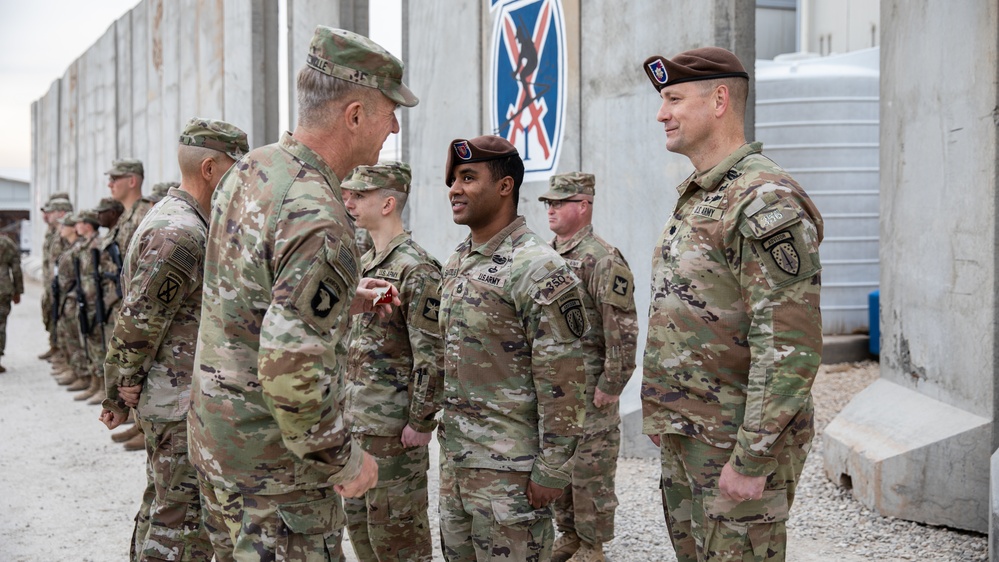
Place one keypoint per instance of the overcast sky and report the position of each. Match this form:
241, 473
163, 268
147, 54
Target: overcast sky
39, 39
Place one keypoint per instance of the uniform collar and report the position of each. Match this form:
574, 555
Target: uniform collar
293, 146
378, 257
573, 241
190, 200
490, 247
711, 179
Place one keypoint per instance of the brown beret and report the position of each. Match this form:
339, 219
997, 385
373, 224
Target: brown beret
706, 63
479, 149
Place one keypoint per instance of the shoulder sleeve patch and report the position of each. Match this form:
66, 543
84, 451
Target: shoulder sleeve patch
566, 316
326, 289
619, 289
168, 283
551, 285
769, 219
424, 316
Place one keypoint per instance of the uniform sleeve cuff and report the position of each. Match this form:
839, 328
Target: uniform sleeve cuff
114, 406
747, 463
607, 387
352, 468
424, 426
544, 475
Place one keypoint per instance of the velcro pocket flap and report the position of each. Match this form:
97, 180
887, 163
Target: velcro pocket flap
313, 517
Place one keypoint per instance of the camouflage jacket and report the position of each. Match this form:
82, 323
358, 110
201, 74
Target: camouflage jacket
121, 233
86, 267
735, 331
64, 269
48, 259
153, 340
280, 274
11, 282
55, 248
395, 367
609, 300
514, 384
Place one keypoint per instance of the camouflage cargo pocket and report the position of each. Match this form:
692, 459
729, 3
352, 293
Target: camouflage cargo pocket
746, 530
312, 530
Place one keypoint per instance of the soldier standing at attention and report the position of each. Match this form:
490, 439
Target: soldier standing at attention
85, 292
395, 374
735, 331
125, 182
68, 325
585, 513
52, 213
266, 429
151, 349
11, 286
95, 328
514, 393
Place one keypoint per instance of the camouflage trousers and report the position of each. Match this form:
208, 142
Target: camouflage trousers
47, 310
587, 506
300, 526
485, 516
69, 337
390, 522
96, 351
141, 527
174, 530
703, 526
4, 312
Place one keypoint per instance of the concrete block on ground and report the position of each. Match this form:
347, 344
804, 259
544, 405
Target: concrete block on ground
909, 456
845, 349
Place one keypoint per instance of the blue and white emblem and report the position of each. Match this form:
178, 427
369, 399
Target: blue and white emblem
528, 72
659, 71
462, 149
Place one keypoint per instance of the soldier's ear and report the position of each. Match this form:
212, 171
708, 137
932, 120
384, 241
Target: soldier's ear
506, 186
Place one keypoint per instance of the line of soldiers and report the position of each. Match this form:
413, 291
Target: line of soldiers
287, 386
82, 282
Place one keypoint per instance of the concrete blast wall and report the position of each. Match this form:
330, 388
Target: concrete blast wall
613, 135
916, 444
129, 95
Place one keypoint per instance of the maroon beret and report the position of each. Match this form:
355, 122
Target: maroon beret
706, 63
479, 149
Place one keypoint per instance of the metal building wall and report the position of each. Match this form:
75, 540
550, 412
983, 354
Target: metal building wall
129, 95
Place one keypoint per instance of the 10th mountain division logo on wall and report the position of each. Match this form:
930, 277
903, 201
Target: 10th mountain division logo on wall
528, 72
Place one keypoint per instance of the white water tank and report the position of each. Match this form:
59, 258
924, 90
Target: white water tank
818, 119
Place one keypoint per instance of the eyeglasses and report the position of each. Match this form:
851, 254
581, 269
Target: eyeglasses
558, 204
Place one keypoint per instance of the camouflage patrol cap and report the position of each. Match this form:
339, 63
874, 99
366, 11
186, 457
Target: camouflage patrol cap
108, 204
125, 167
355, 58
479, 149
216, 135
58, 204
88, 215
564, 186
70, 220
161, 189
384, 175
706, 63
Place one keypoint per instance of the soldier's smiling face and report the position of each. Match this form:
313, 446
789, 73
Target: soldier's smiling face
686, 116
475, 196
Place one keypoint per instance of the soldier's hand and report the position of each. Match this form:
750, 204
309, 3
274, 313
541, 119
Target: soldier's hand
738, 487
601, 398
130, 395
16, 298
112, 419
364, 481
413, 438
367, 293
540, 496
654, 439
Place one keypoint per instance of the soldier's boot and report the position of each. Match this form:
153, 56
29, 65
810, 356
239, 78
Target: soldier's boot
126, 434
93, 389
589, 553
2, 369
66, 376
565, 546
137, 443
82, 383
99, 396
48, 354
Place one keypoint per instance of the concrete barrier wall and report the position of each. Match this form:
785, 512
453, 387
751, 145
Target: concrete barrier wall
129, 95
613, 135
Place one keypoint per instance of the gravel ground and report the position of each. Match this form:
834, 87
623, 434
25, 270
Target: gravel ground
68, 493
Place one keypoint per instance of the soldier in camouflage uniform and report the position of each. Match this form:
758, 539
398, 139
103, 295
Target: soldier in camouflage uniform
735, 331
88, 228
512, 318
151, 349
53, 212
11, 286
125, 182
395, 374
160, 190
585, 513
67, 326
267, 431
82, 297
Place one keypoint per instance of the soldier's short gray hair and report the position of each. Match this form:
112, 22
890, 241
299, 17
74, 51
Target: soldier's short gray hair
316, 90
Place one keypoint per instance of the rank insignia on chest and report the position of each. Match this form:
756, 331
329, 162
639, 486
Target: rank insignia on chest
324, 300
169, 288
431, 308
620, 285
782, 250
